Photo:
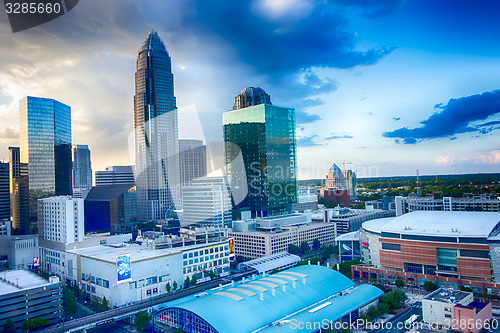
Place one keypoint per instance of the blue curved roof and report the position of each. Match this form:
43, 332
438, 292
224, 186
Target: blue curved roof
231, 310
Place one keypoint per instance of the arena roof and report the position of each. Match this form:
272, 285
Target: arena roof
275, 300
438, 223
352, 236
270, 262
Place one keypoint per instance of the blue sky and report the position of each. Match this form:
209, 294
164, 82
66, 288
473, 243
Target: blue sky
382, 86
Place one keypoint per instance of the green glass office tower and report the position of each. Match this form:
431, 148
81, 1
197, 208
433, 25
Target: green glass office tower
264, 135
45, 135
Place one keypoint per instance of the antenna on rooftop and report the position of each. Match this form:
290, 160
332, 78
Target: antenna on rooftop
419, 190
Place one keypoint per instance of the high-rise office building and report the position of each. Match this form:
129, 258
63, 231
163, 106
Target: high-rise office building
115, 175
19, 191
192, 159
156, 132
336, 190
335, 178
207, 202
45, 135
82, 168
264, 134
61, 219
4, 191
351, 183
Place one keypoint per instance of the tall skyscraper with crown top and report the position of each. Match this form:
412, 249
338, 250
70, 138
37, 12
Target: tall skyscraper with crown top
156, 132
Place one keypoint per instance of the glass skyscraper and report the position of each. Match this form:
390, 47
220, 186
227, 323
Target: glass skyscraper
264, 135
45, 135
192, 159
156, 132
82, 168
19, 191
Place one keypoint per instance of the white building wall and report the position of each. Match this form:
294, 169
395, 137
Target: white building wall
61, 219
165, 269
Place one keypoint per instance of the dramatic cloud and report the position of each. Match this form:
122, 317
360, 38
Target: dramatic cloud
284, 44
456, 117
307, 141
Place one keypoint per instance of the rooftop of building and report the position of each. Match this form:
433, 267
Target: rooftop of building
19, 279
137, 252
451, 296
285, 228
348, 237
438, 223
107, 192
477, 306
335, 167
271, 302
152, 42
270, 262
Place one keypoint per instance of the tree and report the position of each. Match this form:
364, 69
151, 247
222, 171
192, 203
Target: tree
430, 286
399, 283
187, 282
372, 313
142, 320
345, 267
94, 305
305, 247
168, 287
212, 275
384, 307
69, 302
294, 249
194, 281
27, 325
39, 322
485, 295
174, 286
464, 288
104, 304
9, 327
76, 291
328, 251
316, 244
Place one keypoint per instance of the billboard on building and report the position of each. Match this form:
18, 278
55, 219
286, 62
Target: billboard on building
123, 268
231, 247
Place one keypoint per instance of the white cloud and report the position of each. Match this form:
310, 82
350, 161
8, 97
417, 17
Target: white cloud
443, 160
492, 157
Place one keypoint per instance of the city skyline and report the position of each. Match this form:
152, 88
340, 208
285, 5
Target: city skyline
389, 86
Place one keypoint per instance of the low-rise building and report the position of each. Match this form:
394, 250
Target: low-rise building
24, 295
129, 273
264, 236
20, 251
445, 308
468, 203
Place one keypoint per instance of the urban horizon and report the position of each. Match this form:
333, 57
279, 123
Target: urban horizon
359, 139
